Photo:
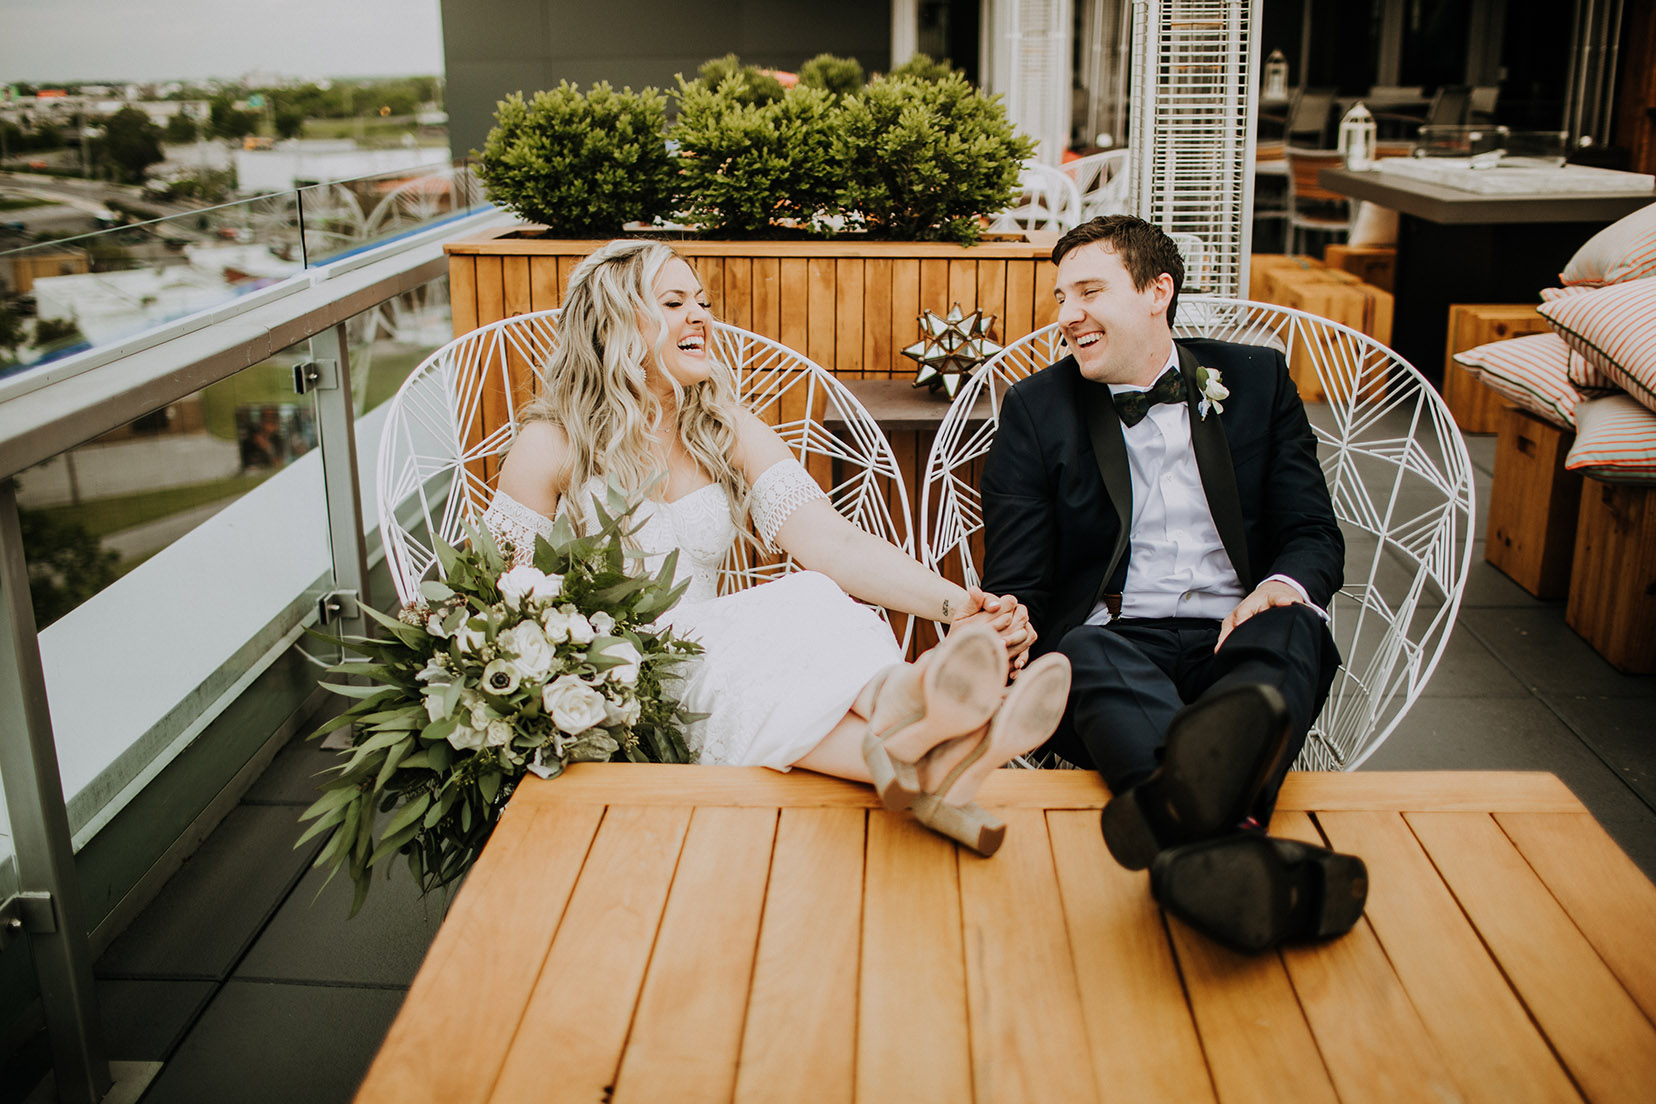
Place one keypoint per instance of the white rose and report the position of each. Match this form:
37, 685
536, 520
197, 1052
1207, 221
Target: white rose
534, 655
573, 705
501, 677
627, 713
580, 629
547, 588
602, 621
480, 715
498, 734
556, 624
627, 672
518, 583
465, 738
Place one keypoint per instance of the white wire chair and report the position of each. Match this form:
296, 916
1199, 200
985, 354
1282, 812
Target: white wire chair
1396, 466
1103, 181
1047, 200
456, 416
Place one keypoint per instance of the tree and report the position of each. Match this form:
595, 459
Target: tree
289, 120
11, 328
180, 129
840, 76
225, 120
67, 564
131, 143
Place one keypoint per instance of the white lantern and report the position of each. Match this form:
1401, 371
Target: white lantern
1357, 138
1276, 76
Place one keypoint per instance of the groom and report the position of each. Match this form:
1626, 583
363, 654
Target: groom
1159, 508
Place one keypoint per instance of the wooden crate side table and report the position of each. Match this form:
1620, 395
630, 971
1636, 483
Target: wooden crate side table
1476, 408
1533, 505
1612, 594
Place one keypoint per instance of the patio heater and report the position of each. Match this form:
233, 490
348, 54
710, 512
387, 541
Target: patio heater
1196, 91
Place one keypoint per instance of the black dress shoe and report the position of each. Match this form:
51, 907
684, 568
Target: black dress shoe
1220, 751
1251, 892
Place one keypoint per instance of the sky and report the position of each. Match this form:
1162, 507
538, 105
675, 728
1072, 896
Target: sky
149, 40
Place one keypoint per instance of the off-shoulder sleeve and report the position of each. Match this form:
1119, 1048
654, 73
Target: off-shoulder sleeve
507, 519
780, 489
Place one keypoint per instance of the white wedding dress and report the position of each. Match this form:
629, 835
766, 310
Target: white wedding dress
782, 662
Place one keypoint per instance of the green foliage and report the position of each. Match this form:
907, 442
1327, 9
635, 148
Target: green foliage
130, 143
11, 328
924, 159
67, 565
207, 186
838, 76
56, 331
753, 85
746, 166
581, 165
289, 120
225, 120
921, 67
181, 128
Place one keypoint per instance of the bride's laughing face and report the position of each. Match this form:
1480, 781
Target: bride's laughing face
685, 356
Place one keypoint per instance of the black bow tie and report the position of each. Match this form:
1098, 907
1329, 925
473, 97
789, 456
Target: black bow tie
1134, 405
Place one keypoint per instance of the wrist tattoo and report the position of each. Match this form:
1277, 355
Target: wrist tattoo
947, 609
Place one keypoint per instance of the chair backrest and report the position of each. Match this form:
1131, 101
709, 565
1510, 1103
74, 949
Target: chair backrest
1102, 179
1047, 200
1303, 167
1396, 466
1449, 105
1308, 115
1481, 103
456, 416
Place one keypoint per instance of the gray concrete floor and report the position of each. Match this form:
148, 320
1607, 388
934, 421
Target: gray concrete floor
251, 987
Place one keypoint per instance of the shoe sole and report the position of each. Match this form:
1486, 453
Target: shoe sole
1217, 756
1244, 893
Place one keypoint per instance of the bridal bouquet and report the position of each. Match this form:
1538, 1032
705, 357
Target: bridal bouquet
497, 672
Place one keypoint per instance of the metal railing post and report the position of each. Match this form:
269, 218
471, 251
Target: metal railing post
49, 895
337, 432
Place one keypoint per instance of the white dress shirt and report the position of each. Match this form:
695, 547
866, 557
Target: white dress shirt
1177, 564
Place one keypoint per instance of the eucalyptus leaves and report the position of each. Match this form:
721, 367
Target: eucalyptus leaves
501, 671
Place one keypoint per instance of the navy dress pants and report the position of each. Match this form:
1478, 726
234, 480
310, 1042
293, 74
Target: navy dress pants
1132, 675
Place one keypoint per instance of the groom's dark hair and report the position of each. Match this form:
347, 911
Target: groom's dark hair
1145, 250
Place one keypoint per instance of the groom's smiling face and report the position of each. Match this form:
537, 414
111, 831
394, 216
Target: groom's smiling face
1118, 333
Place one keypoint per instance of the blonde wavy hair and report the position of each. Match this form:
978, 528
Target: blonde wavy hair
596, 390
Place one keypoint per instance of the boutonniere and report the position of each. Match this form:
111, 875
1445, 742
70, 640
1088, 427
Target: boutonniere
1213, 390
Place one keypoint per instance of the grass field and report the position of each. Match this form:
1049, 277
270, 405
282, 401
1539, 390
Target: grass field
272, 382
103, 516
21, 203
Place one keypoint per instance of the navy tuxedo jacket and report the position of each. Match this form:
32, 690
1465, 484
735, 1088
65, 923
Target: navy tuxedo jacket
1057, 493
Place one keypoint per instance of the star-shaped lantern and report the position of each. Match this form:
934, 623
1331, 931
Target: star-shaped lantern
950, 347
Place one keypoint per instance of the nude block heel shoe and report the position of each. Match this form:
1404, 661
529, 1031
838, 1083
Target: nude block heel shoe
1024, 721
957, 690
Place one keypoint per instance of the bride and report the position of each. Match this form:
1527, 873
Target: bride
794, 673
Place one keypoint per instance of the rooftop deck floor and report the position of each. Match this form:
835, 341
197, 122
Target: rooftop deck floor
251, 988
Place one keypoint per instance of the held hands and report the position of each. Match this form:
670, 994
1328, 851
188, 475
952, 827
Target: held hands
1006, 615
1272, 592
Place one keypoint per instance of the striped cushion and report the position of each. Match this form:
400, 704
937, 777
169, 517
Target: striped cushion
1624, 250
1615, 441
1615, 329
1532, 371
1583, 372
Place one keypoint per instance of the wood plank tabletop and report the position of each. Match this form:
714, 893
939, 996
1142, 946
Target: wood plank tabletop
643, 933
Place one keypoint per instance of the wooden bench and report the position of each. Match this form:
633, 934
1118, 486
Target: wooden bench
1533, 505
1612, 590
1477, 408
648, 933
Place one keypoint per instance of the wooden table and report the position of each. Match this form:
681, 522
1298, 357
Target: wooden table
1456, 246
653, 933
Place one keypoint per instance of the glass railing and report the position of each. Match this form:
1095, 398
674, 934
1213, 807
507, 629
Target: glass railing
99, 289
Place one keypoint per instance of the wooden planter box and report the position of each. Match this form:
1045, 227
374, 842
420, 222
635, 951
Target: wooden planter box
851, 306
1476, 408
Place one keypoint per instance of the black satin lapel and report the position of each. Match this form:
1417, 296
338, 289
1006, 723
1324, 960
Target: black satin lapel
1213, 460
1110, 453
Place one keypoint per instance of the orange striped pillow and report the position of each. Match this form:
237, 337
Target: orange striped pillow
1624, 250
1532, 371
1615, 329
1583, 372
1615, 441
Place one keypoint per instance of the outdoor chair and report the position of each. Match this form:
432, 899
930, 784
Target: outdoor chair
1047, 200
1102, 180
1312, 207
1396, 466
456, 416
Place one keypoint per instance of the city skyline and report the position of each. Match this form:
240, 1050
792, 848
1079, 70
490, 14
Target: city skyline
117, 41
